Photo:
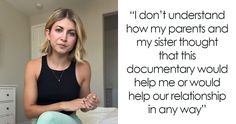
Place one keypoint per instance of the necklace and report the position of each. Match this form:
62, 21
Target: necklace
58, 78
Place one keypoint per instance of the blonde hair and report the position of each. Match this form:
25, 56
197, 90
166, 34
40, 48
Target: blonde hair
78, 52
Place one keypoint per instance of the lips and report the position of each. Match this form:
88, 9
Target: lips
62, 45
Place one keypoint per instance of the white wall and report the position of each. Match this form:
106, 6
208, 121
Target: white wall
14, 50
91, 13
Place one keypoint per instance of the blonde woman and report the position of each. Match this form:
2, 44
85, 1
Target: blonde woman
58, 83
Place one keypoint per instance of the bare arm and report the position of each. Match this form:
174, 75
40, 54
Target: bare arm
83, 74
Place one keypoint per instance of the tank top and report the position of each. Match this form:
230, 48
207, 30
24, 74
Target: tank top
50, 90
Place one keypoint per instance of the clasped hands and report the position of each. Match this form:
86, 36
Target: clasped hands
91, 101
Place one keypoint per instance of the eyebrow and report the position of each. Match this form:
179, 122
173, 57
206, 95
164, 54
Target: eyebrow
63, 28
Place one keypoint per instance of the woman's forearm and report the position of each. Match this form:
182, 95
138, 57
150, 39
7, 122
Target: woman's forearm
34, 111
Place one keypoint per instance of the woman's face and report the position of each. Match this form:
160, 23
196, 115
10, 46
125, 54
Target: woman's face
62, 36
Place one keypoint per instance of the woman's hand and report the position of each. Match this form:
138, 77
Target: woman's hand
91, 101
74, 105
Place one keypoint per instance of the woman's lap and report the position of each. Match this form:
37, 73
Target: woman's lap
52, 117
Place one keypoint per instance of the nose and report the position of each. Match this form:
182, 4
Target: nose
64, 36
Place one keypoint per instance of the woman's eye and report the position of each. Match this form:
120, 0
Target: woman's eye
58, 30
72, 34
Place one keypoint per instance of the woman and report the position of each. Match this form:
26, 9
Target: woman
58, 83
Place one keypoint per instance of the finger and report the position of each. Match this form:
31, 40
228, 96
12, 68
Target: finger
91, 95
82, 103
92, 103
88, 104
94, 100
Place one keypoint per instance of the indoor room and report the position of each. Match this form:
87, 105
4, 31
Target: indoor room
21, 34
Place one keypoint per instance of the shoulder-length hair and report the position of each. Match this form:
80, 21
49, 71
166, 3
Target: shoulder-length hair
78, 52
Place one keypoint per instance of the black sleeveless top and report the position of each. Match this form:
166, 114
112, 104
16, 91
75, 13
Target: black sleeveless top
50, 90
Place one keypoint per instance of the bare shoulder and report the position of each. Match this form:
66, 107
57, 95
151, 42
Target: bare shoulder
33, 63
83, 70
85, 66
33, 66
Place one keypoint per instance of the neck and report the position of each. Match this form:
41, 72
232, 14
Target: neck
58, 62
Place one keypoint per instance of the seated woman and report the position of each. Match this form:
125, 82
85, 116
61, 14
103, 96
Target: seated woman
58, 83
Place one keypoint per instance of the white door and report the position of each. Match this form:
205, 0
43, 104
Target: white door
37, 37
